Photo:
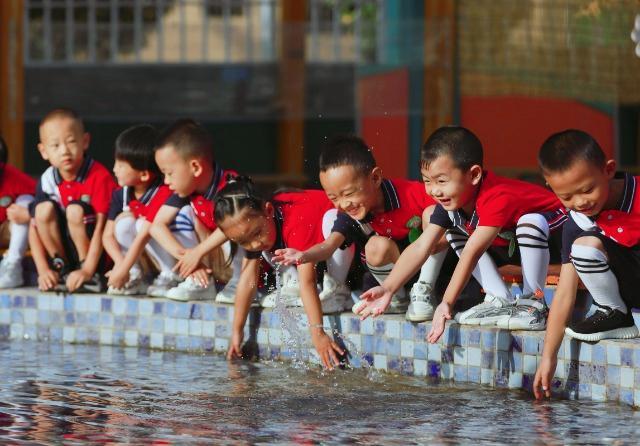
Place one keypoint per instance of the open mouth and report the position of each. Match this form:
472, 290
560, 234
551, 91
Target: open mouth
444, 201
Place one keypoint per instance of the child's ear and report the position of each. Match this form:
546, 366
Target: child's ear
196, 167
476, 174
86, 139
43, 153
145, 176
610, 169
376, 176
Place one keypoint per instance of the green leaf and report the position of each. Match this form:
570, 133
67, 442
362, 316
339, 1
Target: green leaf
512, 246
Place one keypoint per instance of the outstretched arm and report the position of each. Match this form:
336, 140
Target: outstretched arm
377, 299
323, 344
559, 314
317, 253
162, 234
477, 245
247, 287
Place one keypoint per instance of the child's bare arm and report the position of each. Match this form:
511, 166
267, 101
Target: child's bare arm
90, 263
162, 234
119, 275
317, 253
477, 245
191, 258
47, 278
559, 314
377, 299
247, 287
323, 344
111, 245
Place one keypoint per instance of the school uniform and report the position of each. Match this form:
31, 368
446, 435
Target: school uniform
147, 206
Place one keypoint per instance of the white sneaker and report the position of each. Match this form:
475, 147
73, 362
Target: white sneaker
399, 303
529, 313
493, 311
289, 293
11, 273
335, 297
133, 287
163, 283
227, 295
422, 305
191, 289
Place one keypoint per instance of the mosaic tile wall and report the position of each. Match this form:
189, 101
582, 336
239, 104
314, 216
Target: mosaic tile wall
609, 370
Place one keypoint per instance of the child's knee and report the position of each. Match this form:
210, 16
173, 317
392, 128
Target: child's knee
75, 214
589, 240
45, 212
125, 223
377, 250
535, 223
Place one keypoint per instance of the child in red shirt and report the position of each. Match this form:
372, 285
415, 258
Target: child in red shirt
70, 208
600, 245
484, 217
287, 220
16, 192
133, 207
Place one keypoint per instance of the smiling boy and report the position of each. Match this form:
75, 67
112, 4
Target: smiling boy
482, 216
600, 245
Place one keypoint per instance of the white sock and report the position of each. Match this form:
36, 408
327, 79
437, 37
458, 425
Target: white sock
340, 261
125, 230
382, 272
594, 271
532, 233
431, 268
485, 272
19, 233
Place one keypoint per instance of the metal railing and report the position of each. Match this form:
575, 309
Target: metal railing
69, 32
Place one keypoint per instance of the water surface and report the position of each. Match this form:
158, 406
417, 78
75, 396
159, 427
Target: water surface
66, 394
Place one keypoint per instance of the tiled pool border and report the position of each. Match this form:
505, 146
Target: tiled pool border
606, 371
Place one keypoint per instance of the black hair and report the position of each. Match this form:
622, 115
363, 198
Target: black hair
458, 143
136, 146
187, 137
347, 150
63, 112
237, 196
561, 150
4, 151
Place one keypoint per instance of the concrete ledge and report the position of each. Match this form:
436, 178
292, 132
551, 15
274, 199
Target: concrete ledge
609, 370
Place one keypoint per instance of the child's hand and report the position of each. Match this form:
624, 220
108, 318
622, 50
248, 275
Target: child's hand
118, 277
440, 316
188, 262
374, 302
326, 348
76, 279
235, 349
202, 276
288, 256
47, 280
544, 377
18, 214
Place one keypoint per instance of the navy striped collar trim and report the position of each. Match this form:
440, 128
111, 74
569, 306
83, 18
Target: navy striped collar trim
218, 173
629, 193
148, 194
87, 162
460, 218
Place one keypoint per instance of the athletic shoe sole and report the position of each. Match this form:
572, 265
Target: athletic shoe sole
618, 333
521, 324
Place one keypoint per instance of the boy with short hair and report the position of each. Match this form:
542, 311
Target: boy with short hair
184, 154
70, 207
600, 245
482, 215
374, 213
16, 192
133, 208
